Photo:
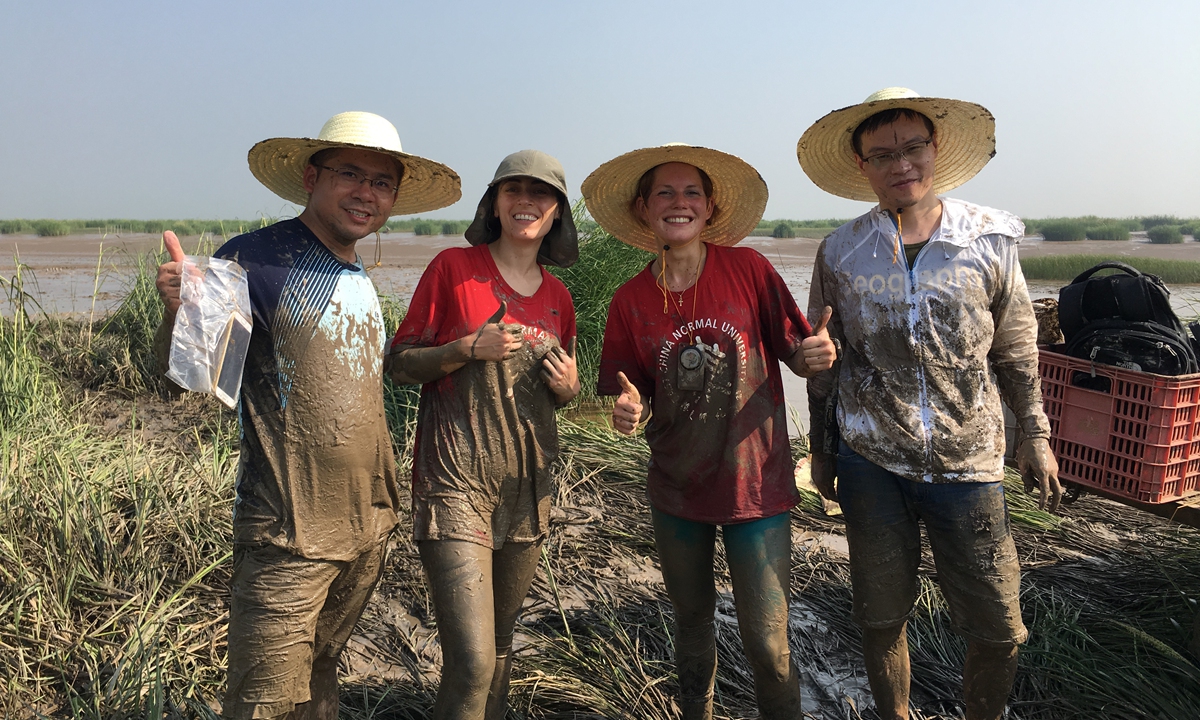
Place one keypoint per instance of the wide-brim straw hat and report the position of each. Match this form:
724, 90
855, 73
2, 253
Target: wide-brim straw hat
561, 245
279, 163
739, 193
966, 141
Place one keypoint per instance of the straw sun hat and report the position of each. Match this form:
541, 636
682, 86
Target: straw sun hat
739, 193
966, 135
279, 163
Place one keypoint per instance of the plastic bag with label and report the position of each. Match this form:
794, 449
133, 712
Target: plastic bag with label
212, 328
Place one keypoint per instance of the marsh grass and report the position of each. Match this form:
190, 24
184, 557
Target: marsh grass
1066, 267
811, 229
1165, 234
604, 264
120, 226
783, 230
1063, 230
1108, 231
106, 548
1154, 221
1033, 226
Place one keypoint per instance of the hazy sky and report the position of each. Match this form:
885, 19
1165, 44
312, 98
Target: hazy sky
146, 109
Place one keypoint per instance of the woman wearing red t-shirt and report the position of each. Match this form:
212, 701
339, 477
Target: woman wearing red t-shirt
490, 335
699, 335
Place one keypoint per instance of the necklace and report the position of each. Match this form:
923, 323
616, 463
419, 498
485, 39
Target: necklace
695, 285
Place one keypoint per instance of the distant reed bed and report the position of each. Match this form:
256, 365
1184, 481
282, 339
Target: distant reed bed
1066, 267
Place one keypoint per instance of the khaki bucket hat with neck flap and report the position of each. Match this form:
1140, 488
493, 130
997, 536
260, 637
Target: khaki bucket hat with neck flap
560, 247
279, 163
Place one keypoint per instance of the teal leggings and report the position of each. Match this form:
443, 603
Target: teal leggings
759, 554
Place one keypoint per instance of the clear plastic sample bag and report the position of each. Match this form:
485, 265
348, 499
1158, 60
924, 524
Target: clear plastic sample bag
212, 328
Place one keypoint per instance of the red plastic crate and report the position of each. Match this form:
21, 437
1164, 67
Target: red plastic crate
1139, 439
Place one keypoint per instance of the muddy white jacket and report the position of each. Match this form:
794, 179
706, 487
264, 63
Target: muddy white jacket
929, 350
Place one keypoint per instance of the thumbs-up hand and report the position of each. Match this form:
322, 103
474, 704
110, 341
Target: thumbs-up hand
170, 274
560, 373
627, 412
492, 341
819, 350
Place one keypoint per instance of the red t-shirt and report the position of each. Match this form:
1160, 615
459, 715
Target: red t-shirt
719, 454
486, 433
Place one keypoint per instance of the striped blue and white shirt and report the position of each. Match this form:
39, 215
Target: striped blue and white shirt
316, 476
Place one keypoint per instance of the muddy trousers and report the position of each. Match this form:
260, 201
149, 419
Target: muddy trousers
759, 554
477, 594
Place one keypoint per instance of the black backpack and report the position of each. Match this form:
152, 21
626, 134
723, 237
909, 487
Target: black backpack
1125, 320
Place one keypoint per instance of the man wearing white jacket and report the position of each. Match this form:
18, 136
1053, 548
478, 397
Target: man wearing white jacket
934, 316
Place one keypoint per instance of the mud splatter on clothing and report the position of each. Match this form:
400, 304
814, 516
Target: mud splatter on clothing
486, 433
317, 475
929, 349
719, 454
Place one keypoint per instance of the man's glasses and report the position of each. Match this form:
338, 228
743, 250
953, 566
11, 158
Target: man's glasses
915, 154
352, 178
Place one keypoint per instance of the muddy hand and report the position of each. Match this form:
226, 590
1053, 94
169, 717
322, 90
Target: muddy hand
492, 341
627, 412
819, 350
560, 373
1039, 470
170, 274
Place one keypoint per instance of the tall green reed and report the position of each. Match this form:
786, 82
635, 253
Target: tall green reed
604, 264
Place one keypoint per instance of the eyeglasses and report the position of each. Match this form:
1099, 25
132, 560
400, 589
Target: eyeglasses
915, 153
352, 178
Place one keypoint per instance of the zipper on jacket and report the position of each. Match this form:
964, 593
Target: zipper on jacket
918, 351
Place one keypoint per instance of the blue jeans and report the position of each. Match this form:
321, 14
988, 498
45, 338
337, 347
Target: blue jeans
969, 533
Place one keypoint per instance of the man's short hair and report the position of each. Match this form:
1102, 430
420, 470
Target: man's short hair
882, 118
321, 157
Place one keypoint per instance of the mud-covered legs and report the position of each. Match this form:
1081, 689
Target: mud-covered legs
477, 594
759, 554
322, 693
885, 651
978, 573
988, 676
685, 551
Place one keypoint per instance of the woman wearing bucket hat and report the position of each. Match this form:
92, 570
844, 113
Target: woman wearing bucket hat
933, 310
491, 336
697, 336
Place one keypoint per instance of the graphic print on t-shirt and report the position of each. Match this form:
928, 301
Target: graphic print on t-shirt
306, 292
686, 332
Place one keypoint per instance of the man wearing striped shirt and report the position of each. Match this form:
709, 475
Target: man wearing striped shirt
316, 486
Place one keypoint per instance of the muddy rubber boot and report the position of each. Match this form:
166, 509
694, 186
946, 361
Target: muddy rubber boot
781, 701
497, 701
